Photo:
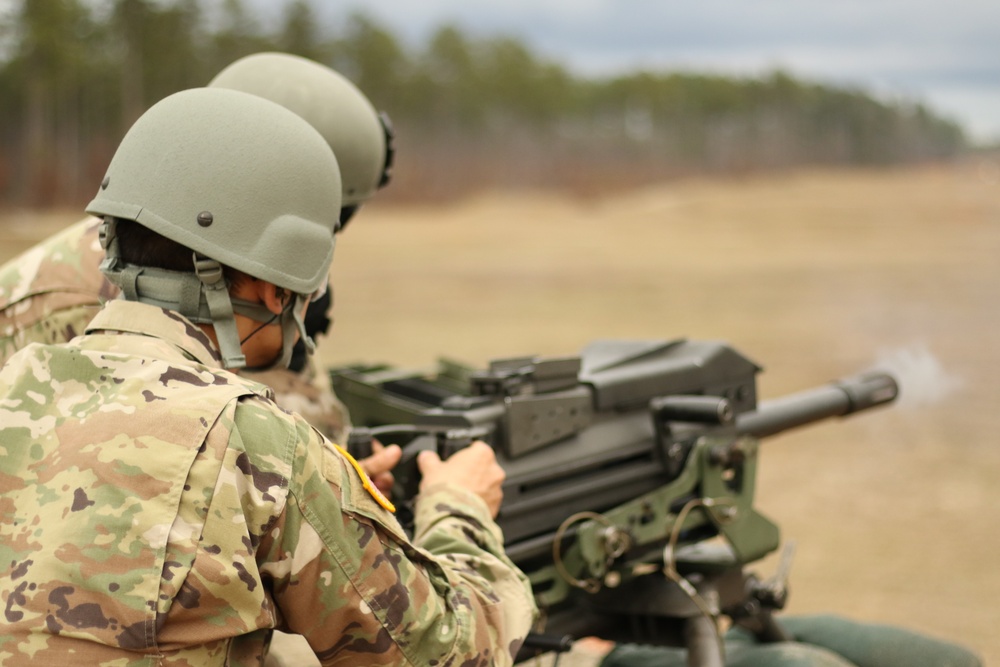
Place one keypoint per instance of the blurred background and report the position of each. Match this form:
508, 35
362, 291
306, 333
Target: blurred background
816, 183
586, 97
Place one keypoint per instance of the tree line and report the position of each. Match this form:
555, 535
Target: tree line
469, 112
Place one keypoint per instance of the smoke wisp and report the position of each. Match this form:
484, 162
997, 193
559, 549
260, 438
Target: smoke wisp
921, 377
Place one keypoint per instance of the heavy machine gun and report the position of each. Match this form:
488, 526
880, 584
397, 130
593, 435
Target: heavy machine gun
631, 472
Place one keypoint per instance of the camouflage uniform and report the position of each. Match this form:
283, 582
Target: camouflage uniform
51, 292
303, 394
156, 509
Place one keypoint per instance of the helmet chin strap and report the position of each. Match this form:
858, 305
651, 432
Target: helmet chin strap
290, 321
203, 298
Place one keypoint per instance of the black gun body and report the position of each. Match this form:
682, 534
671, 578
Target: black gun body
636, 433
580, 473
593, 439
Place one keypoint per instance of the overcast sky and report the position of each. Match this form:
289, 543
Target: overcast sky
943, 52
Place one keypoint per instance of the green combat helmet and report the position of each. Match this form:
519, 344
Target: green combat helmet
241, 181
360, 137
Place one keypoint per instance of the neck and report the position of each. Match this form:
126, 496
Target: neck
260, 344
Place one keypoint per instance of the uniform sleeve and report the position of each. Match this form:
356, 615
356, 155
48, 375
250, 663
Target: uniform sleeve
345, 576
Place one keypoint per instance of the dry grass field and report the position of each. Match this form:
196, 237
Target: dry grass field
814, 275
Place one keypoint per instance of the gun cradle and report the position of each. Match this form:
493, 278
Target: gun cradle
631, 472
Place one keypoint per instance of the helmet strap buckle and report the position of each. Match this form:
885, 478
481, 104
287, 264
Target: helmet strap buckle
108, 235
209, 272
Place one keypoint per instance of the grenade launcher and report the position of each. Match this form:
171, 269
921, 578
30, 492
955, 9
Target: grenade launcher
631, 470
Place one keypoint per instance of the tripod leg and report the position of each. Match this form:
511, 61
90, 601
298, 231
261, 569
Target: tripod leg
704, 645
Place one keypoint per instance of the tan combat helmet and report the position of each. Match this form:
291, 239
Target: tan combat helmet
241, 181
360, 137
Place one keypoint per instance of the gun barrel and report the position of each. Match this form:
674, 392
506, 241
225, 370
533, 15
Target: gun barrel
837, 399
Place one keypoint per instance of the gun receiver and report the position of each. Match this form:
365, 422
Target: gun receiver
631, 461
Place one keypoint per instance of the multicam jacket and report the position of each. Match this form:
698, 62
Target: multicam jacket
157, 510
51, 292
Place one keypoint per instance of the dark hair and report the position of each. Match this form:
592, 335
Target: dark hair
141, 246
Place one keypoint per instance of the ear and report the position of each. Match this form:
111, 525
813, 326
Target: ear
273, 297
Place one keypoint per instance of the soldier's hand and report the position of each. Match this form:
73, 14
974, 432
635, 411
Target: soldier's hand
474, 468
380, 464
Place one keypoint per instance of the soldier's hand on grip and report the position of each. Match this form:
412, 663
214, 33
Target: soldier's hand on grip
474, 468
380, 464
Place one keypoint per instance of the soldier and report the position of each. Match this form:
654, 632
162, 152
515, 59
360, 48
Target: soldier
52, 291
156, 507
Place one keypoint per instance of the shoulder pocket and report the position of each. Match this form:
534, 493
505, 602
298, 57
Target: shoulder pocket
359, 495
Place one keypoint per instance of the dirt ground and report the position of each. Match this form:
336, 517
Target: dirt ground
814, 275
